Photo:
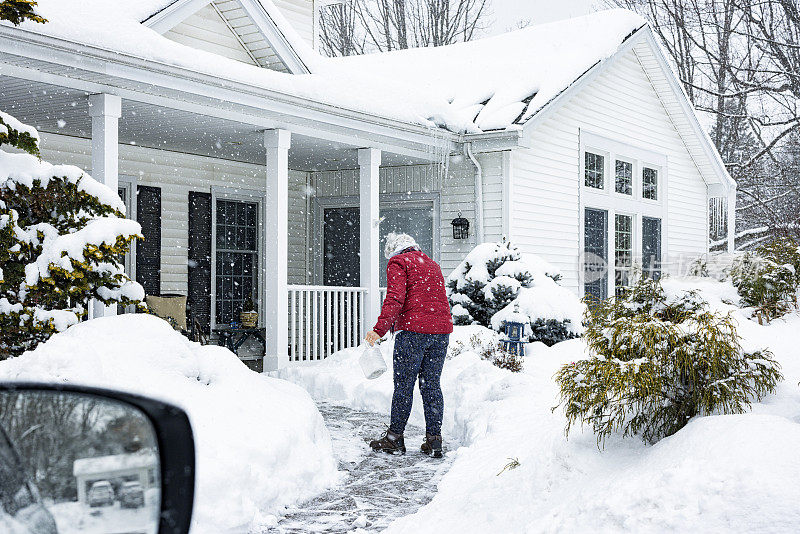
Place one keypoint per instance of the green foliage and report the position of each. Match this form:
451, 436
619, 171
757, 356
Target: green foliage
768, 280
657, 362
489, 349
46, 286
18, 11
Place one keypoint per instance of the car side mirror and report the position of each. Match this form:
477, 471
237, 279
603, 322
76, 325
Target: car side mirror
86, 459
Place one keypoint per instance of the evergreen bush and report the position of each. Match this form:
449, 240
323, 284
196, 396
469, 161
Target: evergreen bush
495, 282
63, 240
658, 361
768, 280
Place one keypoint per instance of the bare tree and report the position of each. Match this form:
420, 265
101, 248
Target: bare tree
738, 61
359, 26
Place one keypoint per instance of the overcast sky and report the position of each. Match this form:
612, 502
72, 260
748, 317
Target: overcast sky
506, 13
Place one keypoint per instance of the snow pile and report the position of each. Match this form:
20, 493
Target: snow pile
718, 474
489, 84
261, 443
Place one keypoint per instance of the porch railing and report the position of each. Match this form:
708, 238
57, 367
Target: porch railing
324, 320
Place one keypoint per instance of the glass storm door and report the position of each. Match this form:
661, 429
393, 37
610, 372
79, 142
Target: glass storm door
415, 221
341, 262
595, 266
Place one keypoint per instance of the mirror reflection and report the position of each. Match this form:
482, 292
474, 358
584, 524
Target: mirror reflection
74, 463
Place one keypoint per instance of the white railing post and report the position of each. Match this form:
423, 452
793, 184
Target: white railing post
105, 111
276, 248
369, 162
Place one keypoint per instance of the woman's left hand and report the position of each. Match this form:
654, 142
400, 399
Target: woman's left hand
372, 337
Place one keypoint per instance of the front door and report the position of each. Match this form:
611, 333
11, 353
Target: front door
341, 264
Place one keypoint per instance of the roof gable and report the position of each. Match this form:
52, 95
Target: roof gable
670, 92
236, 29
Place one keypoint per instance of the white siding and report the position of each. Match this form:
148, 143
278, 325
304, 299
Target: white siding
249, 34
621, 104
300, 14
457, 193
206, 30
492, 166
177, 174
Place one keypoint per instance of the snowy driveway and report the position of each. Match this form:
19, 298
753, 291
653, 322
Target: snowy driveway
380, 487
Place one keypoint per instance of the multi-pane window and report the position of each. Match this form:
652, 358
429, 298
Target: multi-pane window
594, 168
623, 177
649, 183
651, 247
595, 266
237, 258
623, 251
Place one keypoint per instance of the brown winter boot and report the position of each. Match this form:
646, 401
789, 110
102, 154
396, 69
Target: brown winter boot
432, 446
390, 443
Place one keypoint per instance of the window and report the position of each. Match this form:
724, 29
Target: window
594, 167
623, 252
237, 257
624, 178
595, 264
649, 183
651, 247
416, 221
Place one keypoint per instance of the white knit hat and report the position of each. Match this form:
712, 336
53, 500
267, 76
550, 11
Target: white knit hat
398, 242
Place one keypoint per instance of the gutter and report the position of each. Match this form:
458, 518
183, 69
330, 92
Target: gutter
478, 193
15, 41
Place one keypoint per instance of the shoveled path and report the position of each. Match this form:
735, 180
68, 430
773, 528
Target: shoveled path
379, 487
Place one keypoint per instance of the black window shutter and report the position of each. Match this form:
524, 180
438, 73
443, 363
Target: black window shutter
148, 251
200, 258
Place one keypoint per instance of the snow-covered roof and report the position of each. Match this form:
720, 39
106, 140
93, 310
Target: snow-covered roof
491, 84
101, 465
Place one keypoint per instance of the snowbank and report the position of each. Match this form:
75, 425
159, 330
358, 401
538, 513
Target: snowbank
718, 474
261, 443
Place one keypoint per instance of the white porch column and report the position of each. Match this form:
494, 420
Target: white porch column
105, 111
276, 249
731, 221
369, 162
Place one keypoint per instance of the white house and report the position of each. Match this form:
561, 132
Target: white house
260, 169
141, 467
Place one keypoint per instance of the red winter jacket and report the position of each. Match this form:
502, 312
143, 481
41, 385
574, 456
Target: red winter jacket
416, 300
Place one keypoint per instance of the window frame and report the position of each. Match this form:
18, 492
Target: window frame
619, 203
632, 163
387, 200
129, 184
658, 182
239, 195
633, 235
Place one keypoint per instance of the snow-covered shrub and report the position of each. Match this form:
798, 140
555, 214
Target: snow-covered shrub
63, 239
486, 344
658, 361
768, 280
496, 283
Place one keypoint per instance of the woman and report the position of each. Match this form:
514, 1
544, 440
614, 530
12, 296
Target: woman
416, 306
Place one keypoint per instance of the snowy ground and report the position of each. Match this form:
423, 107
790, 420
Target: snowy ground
734, 473
79, 518
379, 487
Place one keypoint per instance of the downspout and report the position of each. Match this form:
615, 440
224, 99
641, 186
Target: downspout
478, 193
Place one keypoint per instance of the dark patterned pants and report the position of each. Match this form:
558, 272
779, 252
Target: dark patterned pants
418, 355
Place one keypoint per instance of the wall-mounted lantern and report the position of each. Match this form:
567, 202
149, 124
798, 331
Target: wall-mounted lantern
460, 227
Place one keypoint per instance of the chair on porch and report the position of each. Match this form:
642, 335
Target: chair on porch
176, 310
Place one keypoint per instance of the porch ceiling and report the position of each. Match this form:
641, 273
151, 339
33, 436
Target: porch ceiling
65, 111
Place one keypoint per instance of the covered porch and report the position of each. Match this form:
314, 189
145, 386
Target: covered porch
239, 201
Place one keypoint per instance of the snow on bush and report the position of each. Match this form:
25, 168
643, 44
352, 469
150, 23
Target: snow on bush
720, 473
63, 240
657, 361
496, 283
768, 280
261, 442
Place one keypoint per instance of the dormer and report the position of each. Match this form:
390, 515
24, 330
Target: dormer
250, 31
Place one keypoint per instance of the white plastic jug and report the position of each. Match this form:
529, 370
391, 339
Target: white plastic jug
371, 361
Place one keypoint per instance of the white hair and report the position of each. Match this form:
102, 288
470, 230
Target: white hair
398, 242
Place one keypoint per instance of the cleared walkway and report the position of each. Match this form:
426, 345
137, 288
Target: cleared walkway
379, 488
